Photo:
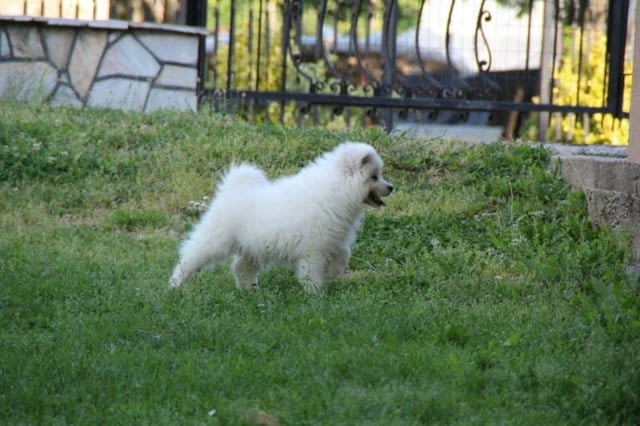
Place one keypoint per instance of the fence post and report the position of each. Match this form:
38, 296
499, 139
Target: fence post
551, 46
101, 10
634, 118
12, 7
196, 13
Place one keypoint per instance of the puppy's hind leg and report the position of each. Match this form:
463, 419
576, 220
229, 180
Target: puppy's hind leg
195, 254
245, 271
311, 272
186, 267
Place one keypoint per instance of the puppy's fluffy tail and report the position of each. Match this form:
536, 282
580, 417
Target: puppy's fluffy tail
209, 242
241, 176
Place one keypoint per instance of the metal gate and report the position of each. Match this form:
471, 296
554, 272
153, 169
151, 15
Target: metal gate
384, 62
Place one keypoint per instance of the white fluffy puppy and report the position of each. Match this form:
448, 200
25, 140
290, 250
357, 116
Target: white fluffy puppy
307, 221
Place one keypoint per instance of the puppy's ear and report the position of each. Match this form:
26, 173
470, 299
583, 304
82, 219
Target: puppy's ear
354, 161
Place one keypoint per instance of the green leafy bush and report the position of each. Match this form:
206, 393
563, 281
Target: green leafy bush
598, 128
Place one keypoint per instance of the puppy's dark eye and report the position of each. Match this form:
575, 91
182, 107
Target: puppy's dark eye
374, 177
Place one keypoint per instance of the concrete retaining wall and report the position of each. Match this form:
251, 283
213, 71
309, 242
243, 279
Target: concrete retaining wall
612, 188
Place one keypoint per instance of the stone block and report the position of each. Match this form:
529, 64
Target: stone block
68, 22
5, 52
25, 41
603, 173
615, 209
58, 42
172, 99
119, 93
171, 47
85, 57
178, 76
64, 95
128, 57
110, 24
168, 28
27, 81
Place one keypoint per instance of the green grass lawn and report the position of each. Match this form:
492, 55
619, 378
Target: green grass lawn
479, 295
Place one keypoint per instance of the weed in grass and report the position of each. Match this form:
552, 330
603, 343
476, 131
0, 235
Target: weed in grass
481, 294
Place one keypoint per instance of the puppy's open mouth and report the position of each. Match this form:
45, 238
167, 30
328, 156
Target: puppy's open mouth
373, 200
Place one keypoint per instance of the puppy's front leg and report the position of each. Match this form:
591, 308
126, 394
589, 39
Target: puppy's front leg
311, 272
245, 272
339, 262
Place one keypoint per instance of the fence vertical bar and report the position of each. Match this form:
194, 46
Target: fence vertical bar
582, 13
526, 66
287, 6
616, 40
251, 103
232, 32
259, 48
389, 55
196, 16
216, 44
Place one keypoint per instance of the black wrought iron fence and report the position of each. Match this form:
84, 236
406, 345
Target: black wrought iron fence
385, 62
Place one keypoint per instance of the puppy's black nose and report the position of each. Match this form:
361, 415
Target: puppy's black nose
390, 188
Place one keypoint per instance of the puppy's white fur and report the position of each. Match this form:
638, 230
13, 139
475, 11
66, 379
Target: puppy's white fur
307, 221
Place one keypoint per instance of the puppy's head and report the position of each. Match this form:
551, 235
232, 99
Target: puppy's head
378, 187
365, 166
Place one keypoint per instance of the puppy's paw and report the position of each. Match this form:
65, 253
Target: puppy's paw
175, 281
248, 286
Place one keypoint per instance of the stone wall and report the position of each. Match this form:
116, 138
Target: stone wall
110, 64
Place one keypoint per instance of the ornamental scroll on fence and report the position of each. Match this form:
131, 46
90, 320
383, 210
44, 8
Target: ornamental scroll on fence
485, 62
